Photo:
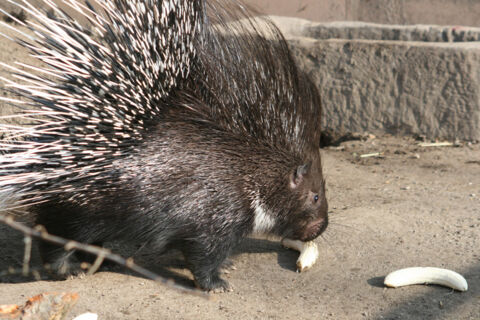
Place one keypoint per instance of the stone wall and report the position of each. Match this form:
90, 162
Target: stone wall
439, 12
396, 86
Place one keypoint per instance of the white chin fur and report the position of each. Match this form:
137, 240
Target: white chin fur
263, 222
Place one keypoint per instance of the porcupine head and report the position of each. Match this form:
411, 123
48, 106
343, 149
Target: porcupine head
297, 208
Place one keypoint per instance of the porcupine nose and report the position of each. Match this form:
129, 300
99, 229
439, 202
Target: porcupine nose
315, 228
319, 225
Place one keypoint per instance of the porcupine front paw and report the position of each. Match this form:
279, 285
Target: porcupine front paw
227, 266
213, 284
205, 270
205, 264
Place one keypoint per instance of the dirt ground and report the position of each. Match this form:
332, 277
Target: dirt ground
413, 206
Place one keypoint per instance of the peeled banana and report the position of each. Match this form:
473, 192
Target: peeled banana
308, 252
426, 275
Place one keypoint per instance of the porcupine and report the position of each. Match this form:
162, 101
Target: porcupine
137, 140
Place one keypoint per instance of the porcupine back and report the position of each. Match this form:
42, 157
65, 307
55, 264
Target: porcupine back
87, 104
246, 74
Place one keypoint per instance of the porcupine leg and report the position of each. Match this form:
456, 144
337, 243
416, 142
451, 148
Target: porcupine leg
64, 262
63, 222
227, 266
205, 261
57, 259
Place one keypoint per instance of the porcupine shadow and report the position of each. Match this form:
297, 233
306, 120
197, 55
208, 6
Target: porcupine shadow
170, 265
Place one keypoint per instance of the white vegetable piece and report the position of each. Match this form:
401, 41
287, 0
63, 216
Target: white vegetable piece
427, 275
87, 316
308, 252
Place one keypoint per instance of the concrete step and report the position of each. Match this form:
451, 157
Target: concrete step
374, 78
439, 12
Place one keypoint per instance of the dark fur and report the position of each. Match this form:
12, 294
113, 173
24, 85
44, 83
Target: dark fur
191, 187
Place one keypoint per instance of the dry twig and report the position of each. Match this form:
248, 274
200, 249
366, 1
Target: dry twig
101, 253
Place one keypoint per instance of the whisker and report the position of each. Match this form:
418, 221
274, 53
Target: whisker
335, 223
331, 248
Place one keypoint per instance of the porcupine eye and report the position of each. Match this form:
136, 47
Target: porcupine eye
315, 198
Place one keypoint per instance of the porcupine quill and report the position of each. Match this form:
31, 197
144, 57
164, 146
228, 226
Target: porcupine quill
165, 129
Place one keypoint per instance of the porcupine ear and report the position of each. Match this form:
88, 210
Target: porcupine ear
299, 174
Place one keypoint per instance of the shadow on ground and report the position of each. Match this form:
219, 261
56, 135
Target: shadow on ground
169, 265
438, 302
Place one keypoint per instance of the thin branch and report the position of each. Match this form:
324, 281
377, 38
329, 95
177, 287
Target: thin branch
101, 253
26, 255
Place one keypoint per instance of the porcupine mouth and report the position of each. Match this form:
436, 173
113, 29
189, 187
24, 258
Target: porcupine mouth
314, 229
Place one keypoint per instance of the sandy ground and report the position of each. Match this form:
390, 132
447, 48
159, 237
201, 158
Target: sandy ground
414, 206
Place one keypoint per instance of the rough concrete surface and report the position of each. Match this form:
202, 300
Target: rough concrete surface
441, 12
398, 87
375, 31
